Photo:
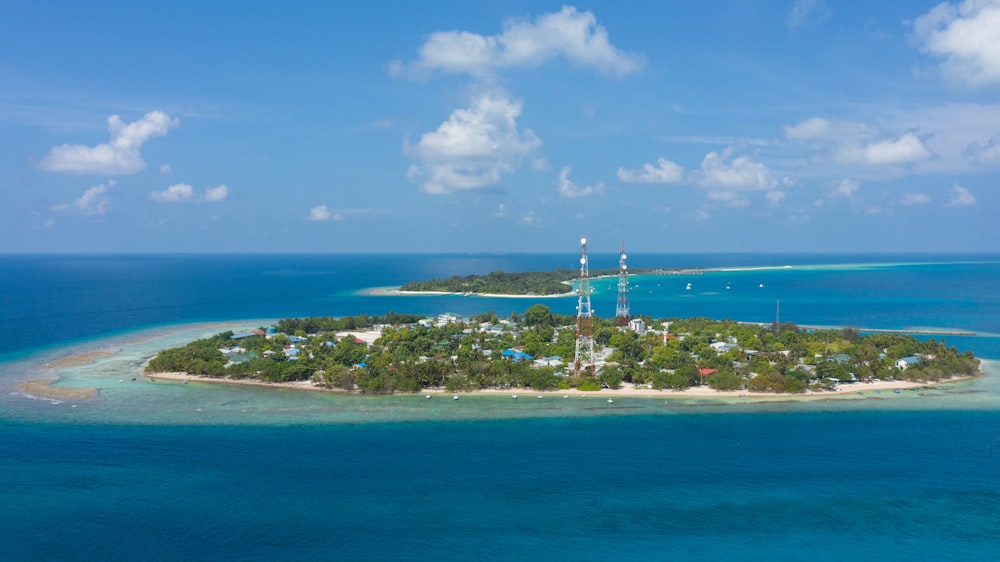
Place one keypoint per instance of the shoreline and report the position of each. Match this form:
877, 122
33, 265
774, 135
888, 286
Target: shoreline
396, 292
627, 391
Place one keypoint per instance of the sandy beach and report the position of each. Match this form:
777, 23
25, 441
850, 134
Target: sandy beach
395, 292
627, 390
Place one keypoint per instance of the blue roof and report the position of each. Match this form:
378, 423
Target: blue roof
516, 355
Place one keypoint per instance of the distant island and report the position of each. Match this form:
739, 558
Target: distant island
534, 350
543, 283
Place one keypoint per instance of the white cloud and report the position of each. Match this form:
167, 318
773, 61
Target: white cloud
121, 155
501, 211
665, 171
95, 201
721, 170
728, 198
846, 188
574, 36
821, 129
907, 148
570, 190
915, 199
960, 197
177, 193
164, 168
323, 213
529, 219
217, 193
473, 148
804, 10
319, 213
988, 153
775, 196
964, 35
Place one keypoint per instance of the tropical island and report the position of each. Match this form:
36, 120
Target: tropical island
531, 283
411, 353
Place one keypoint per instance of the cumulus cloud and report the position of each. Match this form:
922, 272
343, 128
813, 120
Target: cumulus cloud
775, 197
568, 34
177, 193
964, 36
960, 197
322, 213
665, 171
184, 193
915, 199
985, 153
120, 155
217, 193
829, 130
473, 149
906, 149
165, 168
721, 170
95, 201
849, 142
846, 188
570, 190
319, 213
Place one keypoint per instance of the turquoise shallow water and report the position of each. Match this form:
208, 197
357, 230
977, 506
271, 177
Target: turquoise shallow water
171, 471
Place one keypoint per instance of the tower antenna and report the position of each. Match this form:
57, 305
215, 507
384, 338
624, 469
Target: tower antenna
584, 356
621, 309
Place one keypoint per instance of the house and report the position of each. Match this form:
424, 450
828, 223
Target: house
246, 334
551, 361
907, 362
516, 355
637, 325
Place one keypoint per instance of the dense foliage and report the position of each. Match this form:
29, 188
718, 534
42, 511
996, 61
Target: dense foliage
499, 283
724, 355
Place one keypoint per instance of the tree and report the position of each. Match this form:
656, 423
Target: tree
538, 315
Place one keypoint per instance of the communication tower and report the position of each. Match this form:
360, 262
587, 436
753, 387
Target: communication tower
584, 358
621, 309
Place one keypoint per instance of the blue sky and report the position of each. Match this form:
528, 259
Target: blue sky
732, 126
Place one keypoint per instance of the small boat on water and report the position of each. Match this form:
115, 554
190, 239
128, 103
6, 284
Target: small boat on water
455, 397
610, 401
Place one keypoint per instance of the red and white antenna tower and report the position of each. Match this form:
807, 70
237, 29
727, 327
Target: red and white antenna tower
621, 310
584, 357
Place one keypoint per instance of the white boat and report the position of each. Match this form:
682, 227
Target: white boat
455, 397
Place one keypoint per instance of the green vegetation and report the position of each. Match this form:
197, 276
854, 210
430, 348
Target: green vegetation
409, 356
500, 283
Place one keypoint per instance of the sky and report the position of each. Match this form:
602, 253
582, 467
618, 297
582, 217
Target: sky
674, 126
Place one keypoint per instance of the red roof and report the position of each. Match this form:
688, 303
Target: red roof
704, 372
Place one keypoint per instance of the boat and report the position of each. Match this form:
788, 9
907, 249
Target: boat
455, 397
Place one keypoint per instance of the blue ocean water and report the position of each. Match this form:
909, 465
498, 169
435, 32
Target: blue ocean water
186, 472
820, 486
50, 300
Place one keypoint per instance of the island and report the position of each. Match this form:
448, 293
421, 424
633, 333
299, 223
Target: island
535, 350
531, 283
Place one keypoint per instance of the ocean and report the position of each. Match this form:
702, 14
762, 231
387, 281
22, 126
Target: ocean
170, 471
